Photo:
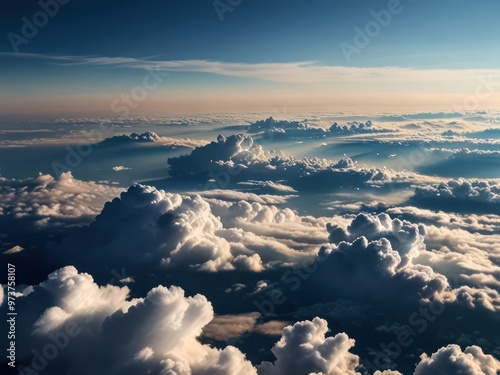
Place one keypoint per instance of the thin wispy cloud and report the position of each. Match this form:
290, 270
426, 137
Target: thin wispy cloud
302, 72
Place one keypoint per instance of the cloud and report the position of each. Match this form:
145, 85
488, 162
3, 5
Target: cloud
452, 162
269, 185
151, 137
233, 195
227, 327
491, 133
406, 237
120, 168
460, 195
485, 298
134, 138
42, 202
271, 328
155, 228
354, 127
227, 162
108, 333
376, 267
13, 250
230, 327
276, 130
283, 129
292, 72
451, 360
169, 231
305, 349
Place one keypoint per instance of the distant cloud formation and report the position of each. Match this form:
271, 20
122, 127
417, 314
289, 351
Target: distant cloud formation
227, 162
150, 137
120, 168
44, 201
283, 129
315, 258
461, 195
134, 137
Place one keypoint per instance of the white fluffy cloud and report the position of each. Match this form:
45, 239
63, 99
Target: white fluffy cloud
451, 360
155, 227
413, 259
158, 228
406, 237
381, 251
305, 349
106, 333
47, 202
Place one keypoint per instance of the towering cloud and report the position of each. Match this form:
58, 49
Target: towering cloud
146, 226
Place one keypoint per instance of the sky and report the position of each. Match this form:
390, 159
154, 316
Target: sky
416, 54
249, 187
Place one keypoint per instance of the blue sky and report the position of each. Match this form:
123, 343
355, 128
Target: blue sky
424, 34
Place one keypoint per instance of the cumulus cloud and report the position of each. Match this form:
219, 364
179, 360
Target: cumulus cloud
305, 349
120, 168
43, 201
108, 333
406, 237
155, 227
413, 261
275, 130
376, 266
461, 195
451, 162
235, 159
451, 360
134, 137
167, 230
354, 127
151, 137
